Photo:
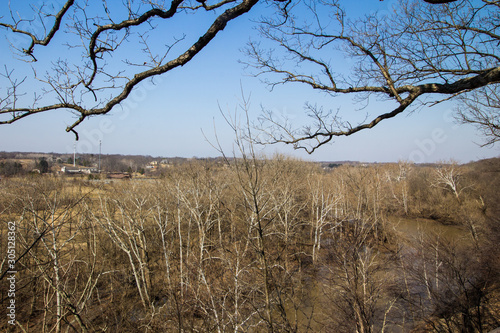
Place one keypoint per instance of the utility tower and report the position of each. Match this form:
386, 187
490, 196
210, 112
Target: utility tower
99, 165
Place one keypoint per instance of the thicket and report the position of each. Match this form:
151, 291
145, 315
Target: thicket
8, 168
258, 245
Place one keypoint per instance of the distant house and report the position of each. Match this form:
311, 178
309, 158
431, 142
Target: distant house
78, 170
66, 169
153, 165
165, 163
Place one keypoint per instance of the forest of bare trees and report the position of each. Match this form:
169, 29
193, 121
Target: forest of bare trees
257, 245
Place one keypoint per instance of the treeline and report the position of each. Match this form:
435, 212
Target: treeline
258, 245
10, 168
13, 168
19, 163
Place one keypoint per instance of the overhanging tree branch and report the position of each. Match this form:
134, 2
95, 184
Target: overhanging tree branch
417, 51
69, 86
34, 40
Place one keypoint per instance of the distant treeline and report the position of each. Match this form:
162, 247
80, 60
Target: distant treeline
15, 162
108, 162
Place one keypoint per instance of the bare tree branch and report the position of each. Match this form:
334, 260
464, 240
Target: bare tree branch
439, 1
417, 51
36, 41
482, 109
69, 83
421, 49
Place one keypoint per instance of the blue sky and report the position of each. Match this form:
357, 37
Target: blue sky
167, 119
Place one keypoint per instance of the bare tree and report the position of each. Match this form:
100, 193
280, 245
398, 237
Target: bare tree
357, 280
419, 54
398, 184
323, 203
126, 219
448, 285
62, 278
448, 176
